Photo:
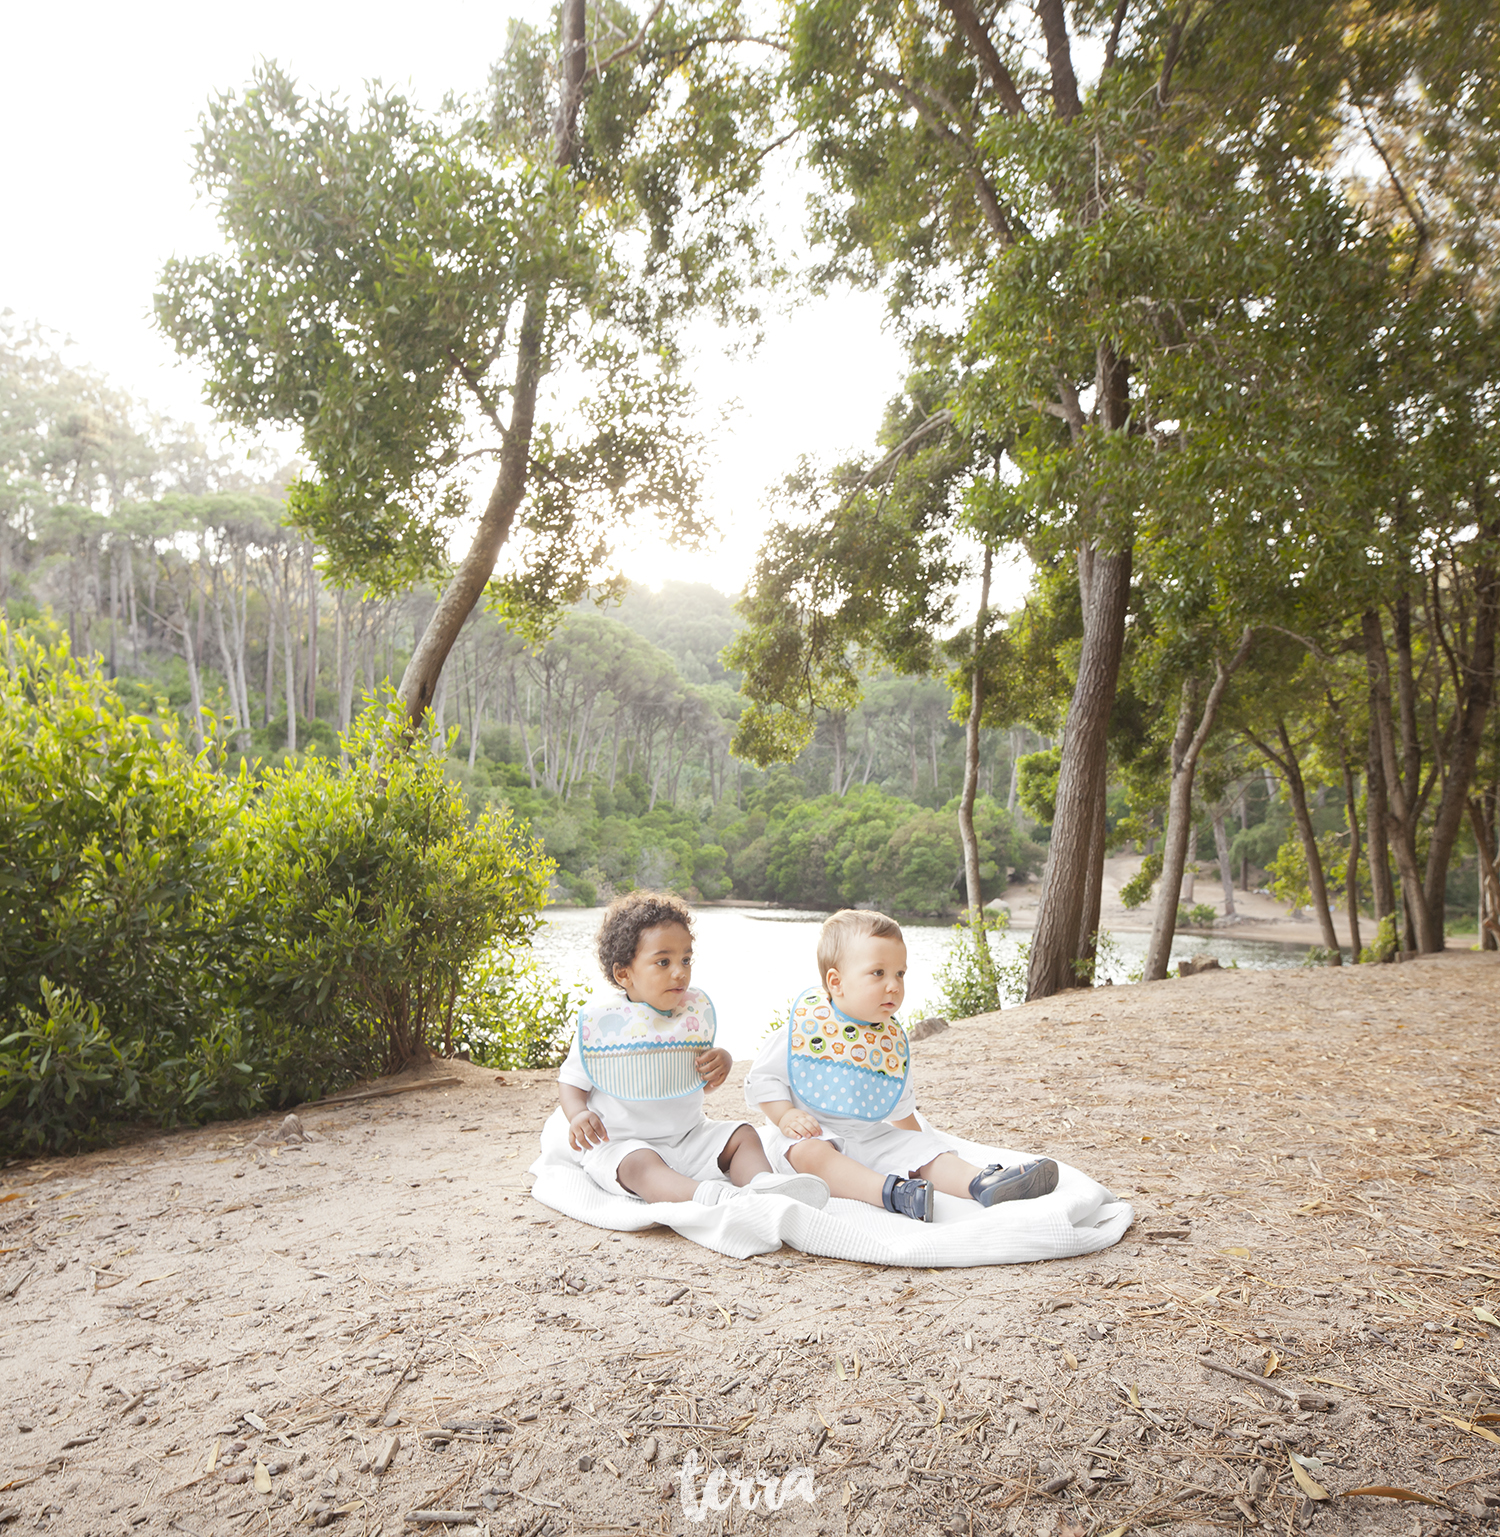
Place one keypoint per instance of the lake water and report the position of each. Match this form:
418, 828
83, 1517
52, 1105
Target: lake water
753, 961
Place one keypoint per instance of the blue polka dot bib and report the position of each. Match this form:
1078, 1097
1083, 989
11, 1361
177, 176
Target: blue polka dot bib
843, 1066
632, 1051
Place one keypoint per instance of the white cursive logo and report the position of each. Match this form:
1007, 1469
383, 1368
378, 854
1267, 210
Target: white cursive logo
721, 1487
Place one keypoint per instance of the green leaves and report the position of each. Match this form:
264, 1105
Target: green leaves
176, 946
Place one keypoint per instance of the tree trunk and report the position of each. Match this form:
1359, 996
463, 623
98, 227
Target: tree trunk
1081, 784
289, 666
1471, 711
312, 636
1087, 949
972, 888
1401, 809
1187, 746
1226, 859
1382, 889
1351, 870
1297, 789
1489, 877
419, 682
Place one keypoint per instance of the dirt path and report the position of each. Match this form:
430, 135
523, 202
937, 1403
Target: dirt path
1313, 1158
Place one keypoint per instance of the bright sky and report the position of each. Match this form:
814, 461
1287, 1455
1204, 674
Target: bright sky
100, 110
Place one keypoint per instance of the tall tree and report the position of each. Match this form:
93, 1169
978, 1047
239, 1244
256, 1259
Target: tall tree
402, 288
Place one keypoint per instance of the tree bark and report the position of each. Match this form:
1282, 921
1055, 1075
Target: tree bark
1226, 859
1472, 710
972, 888
1400, 794
1082, 776
1382, 889
1187, 746
1291, 770
1489, 877
419, 682
1351, 870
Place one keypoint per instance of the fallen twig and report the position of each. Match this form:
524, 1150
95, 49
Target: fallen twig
395, 1088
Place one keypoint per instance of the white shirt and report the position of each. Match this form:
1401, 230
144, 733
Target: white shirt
633, 1120
768, 1079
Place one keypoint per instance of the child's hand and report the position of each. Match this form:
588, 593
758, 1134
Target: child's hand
798, 1123
713, 1066
586, 1130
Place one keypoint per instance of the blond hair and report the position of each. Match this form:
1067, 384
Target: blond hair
843, 927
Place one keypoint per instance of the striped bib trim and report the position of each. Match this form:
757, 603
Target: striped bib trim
630, 1051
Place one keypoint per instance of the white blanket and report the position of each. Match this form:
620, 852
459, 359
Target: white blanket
1079, 1217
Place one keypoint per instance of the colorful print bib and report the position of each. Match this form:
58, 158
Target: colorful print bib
632, 1052
842, 1066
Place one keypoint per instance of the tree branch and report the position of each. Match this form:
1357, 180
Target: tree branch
1112, 46
1059, 59
1416, 218
987, 197
1171, 56
972, 28
632, 46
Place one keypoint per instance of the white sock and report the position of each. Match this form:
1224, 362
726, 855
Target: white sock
711, 1191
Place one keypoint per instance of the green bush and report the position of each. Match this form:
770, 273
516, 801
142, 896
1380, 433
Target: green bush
1383, 946
512, 1014
968, 979
177, 946
62, 1079
1202, 915
113, 880
371, 895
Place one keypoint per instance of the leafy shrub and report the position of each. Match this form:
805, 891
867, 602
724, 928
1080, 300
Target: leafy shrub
511, 1013
968, 978
62, 1079
112, 887
177, 946
372, 895
1202, 915
1383, 946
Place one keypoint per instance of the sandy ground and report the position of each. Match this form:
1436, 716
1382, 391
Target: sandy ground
203, 1335
1256, 915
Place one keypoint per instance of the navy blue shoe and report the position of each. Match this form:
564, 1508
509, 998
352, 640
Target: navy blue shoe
1020, 1182
914, 1198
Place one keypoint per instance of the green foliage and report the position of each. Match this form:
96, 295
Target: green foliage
1202, 915
177, 946
966, 979
868, 846
63, 1080
510, 1013
1384, 945
1136, 892
1289, 872
1036, 783
113, 884
371, 894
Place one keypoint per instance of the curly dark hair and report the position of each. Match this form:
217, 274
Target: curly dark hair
628, 917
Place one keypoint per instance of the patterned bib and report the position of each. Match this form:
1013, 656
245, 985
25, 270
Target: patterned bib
841, 1066
632, 1052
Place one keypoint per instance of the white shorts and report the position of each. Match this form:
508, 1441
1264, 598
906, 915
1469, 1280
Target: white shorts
695, 1154
884, 1148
